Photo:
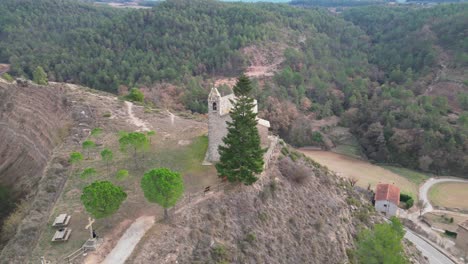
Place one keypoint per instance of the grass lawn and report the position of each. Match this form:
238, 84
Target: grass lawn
184, 156
348, 150
365, 172
413, 176
450, 195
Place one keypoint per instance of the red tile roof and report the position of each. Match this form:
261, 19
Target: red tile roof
387, 192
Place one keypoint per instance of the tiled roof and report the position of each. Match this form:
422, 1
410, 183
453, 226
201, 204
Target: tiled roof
387, 192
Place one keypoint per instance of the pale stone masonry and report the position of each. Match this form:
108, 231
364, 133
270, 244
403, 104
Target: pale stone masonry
219, 108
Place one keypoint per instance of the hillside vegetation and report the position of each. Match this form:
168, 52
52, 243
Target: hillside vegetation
395, 76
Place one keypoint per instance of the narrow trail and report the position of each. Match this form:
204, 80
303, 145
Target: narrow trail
172, 116
142, 125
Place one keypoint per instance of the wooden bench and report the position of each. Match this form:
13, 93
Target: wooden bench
61, 220
62, 234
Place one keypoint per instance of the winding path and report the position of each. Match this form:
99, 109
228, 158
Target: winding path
135, 120
424, 189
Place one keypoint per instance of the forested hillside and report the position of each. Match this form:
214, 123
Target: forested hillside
382, 71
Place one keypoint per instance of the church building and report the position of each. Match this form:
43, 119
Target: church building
219, 108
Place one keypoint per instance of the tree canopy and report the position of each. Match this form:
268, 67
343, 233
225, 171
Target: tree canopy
40, 76
102, 198
162, 186
382, 244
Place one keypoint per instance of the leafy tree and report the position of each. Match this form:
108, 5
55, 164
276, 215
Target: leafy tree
88, 172
241, 157
150, 134
136, 95
121, 175
75, 157
136, 141
88, 145
96, 132
162, 186
39, 76
382, 244
102, 198
107, 156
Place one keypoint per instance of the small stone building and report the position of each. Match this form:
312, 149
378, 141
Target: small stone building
219, 108
462, 236
387, 199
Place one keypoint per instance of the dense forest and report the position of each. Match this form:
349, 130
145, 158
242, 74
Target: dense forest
370, 66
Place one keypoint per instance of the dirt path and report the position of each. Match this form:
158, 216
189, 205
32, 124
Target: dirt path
142, 125
129, 240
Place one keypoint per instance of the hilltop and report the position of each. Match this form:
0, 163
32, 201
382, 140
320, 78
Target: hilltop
387, 83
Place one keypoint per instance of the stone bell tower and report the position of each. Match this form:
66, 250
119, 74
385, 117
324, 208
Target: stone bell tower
218, 114
219, 108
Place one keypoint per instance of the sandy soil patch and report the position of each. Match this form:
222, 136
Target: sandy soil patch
366, 172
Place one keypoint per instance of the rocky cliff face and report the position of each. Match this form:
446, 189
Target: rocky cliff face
33, 120
297, 212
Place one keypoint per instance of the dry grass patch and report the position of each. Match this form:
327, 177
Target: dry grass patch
365, 172
450, 195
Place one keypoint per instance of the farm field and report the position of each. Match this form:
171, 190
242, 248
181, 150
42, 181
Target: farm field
450, 195
366, 172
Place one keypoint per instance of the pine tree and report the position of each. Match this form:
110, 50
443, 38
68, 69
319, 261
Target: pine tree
40, 76
241, 156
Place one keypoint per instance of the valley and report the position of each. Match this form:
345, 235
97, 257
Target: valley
358, 93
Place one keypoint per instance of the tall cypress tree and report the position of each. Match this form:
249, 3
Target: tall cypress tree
241, 156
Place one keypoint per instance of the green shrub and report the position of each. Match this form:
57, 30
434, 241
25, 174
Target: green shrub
7, 77
88, 172
405, 197
136, 95
219, 254
409, 203
250, 237
121, 175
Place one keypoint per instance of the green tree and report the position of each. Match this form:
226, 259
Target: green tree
136, 141
88, 172
162, 186
40, 76
102, 198
121, 175
241, 157
150, 134
382, 244
107, 156
96, 132
88, 145
75, 157
136, 95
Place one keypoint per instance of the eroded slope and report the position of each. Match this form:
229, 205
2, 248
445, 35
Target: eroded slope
33, 120
280, 219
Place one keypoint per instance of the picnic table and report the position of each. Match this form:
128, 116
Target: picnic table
61, 220
62, 234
